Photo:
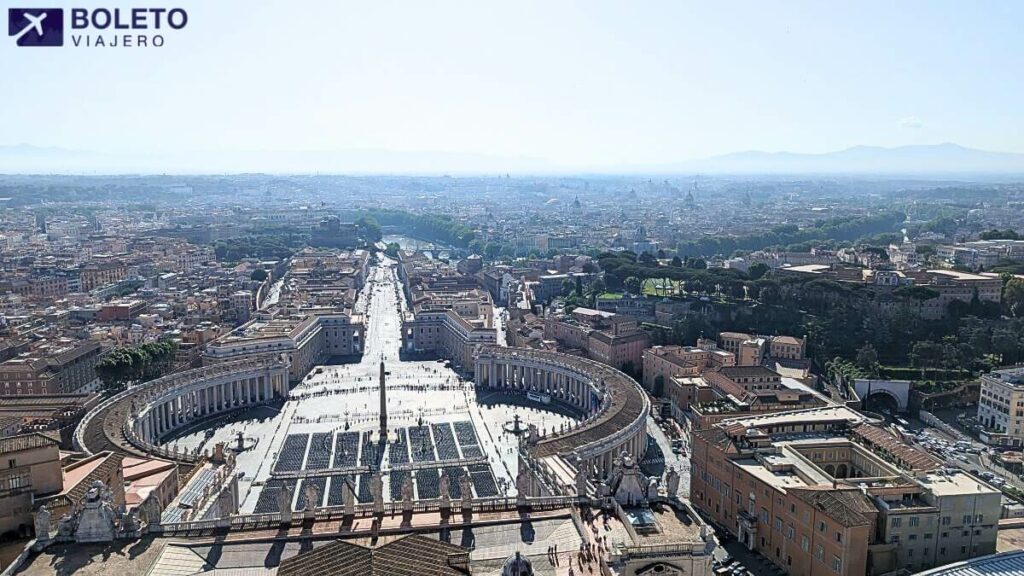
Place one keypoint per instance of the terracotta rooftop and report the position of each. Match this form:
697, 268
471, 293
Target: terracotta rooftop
413, 555
904, 454
25, 442
847, 507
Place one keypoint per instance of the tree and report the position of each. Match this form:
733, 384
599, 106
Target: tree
757, 270
392, 248
632, 285
677, 262
594, 289
568, 287
996, 234
867, 359
258, 275
370, 228
125, 366
491, 250
1013, 296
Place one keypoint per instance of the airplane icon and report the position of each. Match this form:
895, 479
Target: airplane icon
44, 27
34, 22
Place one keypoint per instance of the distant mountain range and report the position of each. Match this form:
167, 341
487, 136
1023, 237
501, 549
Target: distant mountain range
921, 159
938, 160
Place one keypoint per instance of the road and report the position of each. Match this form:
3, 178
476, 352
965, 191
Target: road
659, 458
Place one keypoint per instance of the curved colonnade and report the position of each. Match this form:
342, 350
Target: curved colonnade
135, 420
615, 405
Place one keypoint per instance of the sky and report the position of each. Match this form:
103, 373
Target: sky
572, 84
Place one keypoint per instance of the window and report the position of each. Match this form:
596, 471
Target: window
913, 521
837, 563
839, 536
946, 520
980, 518
967, 518
896, 522
895, 539
821, 526
805, 544
913, 537
819, 552
789, 532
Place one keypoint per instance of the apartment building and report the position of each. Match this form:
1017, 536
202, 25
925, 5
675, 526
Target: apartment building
662, 363
450, 316
100, 274
822, 491
751, 350
613, 339
58, 367
749, 390
1001, 407
31, 469
307, 339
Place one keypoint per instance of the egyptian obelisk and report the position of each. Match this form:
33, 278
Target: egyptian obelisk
383, 405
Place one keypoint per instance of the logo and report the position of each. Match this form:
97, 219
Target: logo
36, 26
95, 27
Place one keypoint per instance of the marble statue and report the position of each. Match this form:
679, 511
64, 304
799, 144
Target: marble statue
407, 494
42, 522
581, 479
66, 526
522, 485
150, 512
348, 498
533, 435
467, 491
284, 503
130, 523
446, 490
97, 519
312, 496
377, 491
672, 481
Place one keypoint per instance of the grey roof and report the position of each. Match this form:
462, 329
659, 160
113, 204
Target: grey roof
1006, 563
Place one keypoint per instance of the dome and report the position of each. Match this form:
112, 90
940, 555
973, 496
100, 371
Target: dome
516, 565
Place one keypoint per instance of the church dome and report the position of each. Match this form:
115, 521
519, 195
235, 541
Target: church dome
516, 565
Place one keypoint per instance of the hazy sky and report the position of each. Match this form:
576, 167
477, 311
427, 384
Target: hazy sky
573, 83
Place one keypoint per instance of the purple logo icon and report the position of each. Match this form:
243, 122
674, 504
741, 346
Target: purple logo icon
36, 26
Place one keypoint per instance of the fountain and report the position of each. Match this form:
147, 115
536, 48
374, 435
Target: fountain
515, 426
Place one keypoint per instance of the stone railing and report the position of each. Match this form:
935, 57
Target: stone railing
362, 510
